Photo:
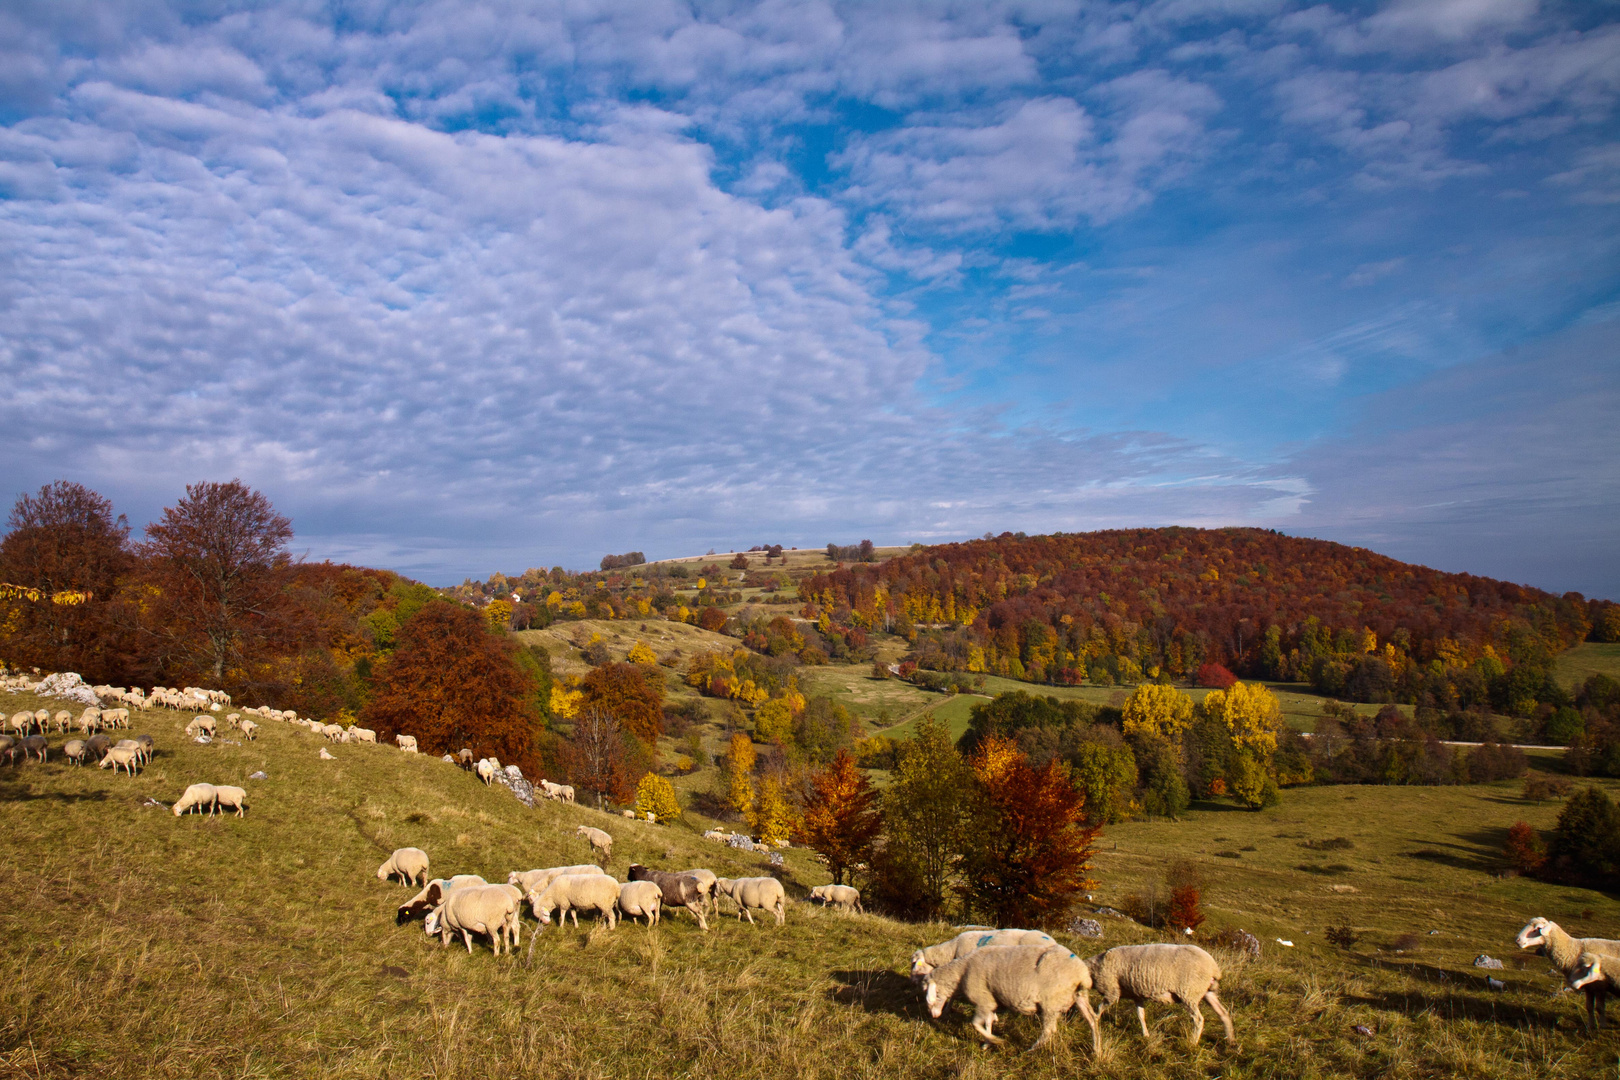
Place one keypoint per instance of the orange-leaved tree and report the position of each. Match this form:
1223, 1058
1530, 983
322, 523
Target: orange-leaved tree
841, 819
452, 682
1030, 846
634, 696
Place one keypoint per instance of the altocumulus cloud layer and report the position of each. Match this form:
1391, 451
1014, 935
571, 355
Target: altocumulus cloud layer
478, 285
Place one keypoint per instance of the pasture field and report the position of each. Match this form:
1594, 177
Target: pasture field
143, 945
1588, 658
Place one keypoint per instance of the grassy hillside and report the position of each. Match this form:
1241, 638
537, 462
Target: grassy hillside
1587, 659
141, 945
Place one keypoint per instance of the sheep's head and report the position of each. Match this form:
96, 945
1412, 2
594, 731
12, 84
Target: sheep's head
512, 877
934, 999
430, 925
382, 871
920, 967
1534, 933
1588, 970
180, 807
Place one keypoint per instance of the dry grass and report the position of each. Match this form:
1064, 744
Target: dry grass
141, 945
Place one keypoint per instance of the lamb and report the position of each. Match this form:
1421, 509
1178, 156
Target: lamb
535, 881
677, 890
433, 895
571, 892
486, 771
925, 960
74, 751
1550, 940
200, 725
230, 798
1144, 973
765, 893
600, 841
478, 909
407, 743
196, 797
1047, 979
250, 730
641, 898
409, 863
842, 897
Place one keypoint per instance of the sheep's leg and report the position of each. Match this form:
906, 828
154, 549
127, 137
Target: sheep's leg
1082, 1001
1197, 1021
466, 936
1141, 1018
1220, 1011
1049, 1023
781, 915
983, 1018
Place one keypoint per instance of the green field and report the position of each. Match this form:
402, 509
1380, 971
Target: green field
141, 945
1589, 658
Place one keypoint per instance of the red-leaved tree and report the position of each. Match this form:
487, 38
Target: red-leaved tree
634, 696
602, 757
453, 682
841, 818
1030, 846
1524, 850
1215, 677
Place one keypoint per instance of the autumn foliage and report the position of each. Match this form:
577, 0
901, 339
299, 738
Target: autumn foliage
1030, 847
452, 682
628, 693
841, 819
1524, 849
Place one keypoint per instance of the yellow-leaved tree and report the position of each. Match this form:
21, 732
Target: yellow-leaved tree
773, 817
774, 720
565, 702
1251, 713
656, 796
740, 772
499, 614
641, 653
1157, 710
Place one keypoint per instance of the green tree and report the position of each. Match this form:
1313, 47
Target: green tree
1107, 775
1251, 784
926, 810
1585, 845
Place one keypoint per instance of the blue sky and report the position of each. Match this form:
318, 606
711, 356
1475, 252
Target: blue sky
478, 286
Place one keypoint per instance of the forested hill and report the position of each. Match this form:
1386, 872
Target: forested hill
1122, 605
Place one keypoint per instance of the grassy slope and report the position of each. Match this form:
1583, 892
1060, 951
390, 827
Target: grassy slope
143, 945
1587, 659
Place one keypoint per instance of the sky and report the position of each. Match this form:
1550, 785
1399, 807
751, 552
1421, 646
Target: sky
479, 286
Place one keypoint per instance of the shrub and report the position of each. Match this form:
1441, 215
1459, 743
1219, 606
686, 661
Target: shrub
656, 796
1345, 937
1183, 914
712, 619
1214, 677
1524, 849
1540, 786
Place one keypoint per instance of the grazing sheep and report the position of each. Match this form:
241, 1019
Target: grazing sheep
765, 893
477, 909
197, 797
8, 748
360, 734
706, 885
200, 725
97, 746
334, 733
407, 743
925, 960
21, 723
230, 798
534, 881
35, 746
569, 894
463, 758
486, 771
600, 842
432, 895
1550, 940
90, 722
1589, 971
250, 730
115, 718
556, 791
74, 751
63, 720
843, 897
1144, 973
679, 891
1046, 979
641, 898
147, 745
233, 719
409, 863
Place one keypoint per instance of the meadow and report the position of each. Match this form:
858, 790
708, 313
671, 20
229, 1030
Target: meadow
142, 945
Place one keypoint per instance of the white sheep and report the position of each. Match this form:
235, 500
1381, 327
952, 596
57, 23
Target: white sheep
327, 755
477, 909
433, 894
600, 841
486, 771
115, 718
641, 898
233, 719
200, 725
407, 743
570, 893
707, 881
1048, 979
561, 792
535, 881
409, 863
360, 734
250, 730
1550, 940
197, 797
127, 757
230, 798
74, 751
1589, 971
927, 959
1166, 973
842, 897
765, 893
334, 733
